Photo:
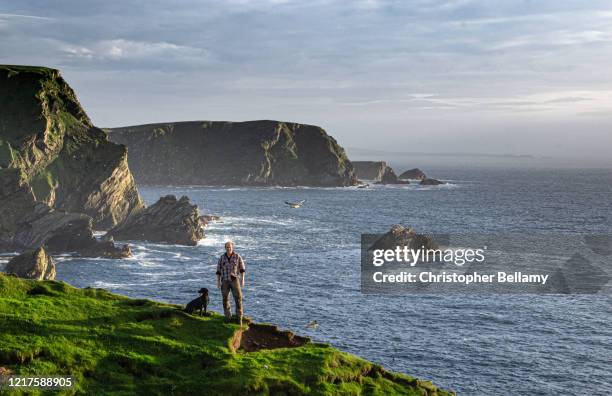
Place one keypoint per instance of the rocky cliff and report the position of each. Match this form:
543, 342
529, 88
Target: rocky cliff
52, 155
377, 171
169, 220
234, 153
33, 264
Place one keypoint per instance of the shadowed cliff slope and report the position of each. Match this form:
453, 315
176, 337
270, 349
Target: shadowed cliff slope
234, 153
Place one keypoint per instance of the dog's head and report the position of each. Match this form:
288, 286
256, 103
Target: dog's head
203, 291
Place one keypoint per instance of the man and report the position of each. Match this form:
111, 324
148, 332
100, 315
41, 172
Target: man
230, 277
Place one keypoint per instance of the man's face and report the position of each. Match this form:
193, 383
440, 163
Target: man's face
229, 248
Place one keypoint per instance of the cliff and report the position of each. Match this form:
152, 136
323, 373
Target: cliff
234, 153
52, 155
377, 171
111, 344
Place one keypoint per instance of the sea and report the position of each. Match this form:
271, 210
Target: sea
304, 265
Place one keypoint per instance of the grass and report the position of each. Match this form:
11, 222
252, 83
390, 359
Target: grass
112, 344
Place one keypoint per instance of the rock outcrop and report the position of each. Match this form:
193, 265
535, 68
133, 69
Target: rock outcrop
234, 153
61, 232
168, 220
33, 264
413, 174
51, 154
377, 171
431, 182
399, 235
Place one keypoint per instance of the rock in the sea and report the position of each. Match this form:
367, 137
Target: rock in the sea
413, 174
50, 153
399, 235
234, 153
168, 220
377, 171
431, 182
32, 264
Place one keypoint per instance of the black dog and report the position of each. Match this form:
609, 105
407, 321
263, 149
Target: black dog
200, 303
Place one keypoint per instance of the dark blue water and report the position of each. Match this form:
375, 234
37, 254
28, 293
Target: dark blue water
303, 264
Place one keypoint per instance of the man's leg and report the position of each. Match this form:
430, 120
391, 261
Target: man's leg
237, 293
225, 290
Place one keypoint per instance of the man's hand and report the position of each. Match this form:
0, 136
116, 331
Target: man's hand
242, 277
218, 282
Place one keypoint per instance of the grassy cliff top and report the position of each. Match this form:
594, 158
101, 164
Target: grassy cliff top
113, 344
29, 69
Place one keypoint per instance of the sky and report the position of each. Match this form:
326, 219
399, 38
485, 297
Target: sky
516, 77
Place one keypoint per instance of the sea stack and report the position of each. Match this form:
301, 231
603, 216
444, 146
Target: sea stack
234, 153
377, 171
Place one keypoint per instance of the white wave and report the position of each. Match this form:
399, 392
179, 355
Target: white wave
113, 285
263, 220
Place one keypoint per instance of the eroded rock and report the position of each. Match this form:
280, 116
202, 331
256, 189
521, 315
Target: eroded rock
61, 232
413, 174
32, 264
400, 235
168, 220
377, 171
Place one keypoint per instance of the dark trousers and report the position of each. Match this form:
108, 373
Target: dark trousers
234, 287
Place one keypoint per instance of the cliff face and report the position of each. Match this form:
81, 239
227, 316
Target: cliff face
235, 153
51, 154
375, 170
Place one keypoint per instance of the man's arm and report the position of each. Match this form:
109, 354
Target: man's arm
219, 274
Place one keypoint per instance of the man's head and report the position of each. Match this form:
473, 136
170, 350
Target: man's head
229, 247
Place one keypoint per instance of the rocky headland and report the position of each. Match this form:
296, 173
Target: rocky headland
234, 153
60, 176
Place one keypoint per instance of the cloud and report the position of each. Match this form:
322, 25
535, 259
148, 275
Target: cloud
20, 16
119, 49
347, 63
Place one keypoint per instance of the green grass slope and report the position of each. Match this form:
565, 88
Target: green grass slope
112, 344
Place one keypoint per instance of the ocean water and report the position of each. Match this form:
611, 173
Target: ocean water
303, 265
